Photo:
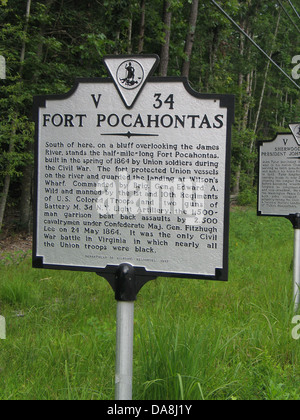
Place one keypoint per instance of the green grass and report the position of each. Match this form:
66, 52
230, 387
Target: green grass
193, 339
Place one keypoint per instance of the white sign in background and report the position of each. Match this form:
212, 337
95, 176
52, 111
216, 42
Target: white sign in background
144, 186
279, 173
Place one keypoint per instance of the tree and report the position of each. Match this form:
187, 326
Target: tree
190, 38
142, 27
165, 49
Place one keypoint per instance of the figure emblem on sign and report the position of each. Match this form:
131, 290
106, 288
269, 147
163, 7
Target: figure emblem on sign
296, 132
130, 74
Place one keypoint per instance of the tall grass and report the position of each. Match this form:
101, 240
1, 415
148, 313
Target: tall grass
193, 339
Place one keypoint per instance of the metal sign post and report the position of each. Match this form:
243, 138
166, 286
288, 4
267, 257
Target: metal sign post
125, 295
124, 350
126, 284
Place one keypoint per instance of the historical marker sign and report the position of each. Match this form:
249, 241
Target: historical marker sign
279, 188
279, 174
133, 169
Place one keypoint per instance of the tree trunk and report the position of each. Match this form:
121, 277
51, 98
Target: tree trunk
5, 191
129, 49
165, 50
236, 188
26, 195
142, 27
285, 102
190, 38
27, 16
3, 199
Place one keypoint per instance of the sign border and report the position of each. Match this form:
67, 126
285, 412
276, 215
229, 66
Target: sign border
226, 101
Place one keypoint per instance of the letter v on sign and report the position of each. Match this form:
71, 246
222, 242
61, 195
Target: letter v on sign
295, 128
130, 74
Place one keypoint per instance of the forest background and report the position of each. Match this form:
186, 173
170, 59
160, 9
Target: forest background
48, 44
